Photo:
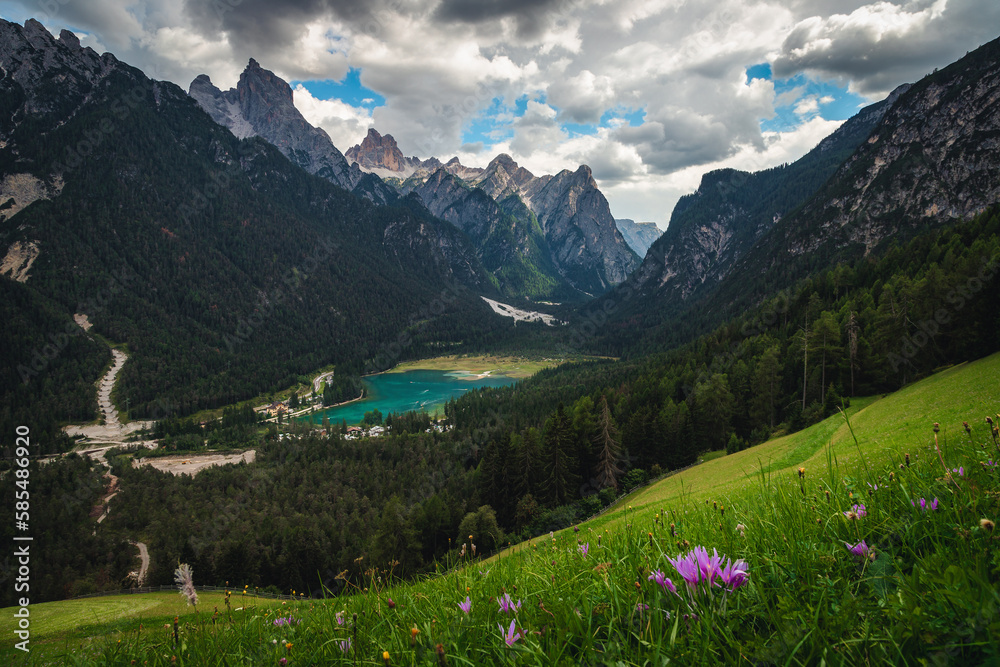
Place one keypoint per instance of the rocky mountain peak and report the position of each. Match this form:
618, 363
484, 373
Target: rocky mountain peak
257, 83
70, 40
262, 105
377, 151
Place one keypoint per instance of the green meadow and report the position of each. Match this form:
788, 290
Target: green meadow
866, 539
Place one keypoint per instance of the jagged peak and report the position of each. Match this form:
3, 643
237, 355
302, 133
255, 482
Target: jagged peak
253, 64
202, 81
70, 40
503, 160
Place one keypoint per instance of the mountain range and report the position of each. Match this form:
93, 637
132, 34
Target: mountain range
551, 237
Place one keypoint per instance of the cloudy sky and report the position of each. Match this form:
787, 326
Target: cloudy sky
649, 93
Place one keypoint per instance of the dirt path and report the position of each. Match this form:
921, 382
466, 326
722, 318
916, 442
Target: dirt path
112, 431
144, 563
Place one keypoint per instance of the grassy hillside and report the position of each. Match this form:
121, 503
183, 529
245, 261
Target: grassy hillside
919, 585
886, 429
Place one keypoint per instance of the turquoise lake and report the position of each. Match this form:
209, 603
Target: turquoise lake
412, 390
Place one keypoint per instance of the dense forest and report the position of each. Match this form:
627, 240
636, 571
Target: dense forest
546, 452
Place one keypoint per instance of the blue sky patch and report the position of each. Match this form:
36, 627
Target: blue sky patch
349, 91
799, 98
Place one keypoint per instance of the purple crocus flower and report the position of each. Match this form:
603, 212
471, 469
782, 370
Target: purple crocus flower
509, 635
860, 549
687, 567
507, 605
934, 504
734, 574
340, 617
662, 580
960, 471
584, 548
285, 621
345, 645
710, 566
923, 504
467, 605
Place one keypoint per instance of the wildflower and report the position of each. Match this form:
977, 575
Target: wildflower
687, 567
986, 524
860, 549
741, 529
385, 657
802, 472
340, 617
664, 583
507, 605
856, 512
466, 606
392, 605
440, 654
584, 548
640, 607
279, 622
413, 636
345, 645
960, 471
184, 578
283, 661
709, 565
923, 504
509, 636
576, 529
734, 574
288, 646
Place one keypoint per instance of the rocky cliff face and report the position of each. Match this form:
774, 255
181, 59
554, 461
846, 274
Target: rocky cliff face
564, 219
576, 218
638, 235
712, 229
261, 105
932, 158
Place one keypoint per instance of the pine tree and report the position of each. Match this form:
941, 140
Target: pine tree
609, 449
766, 386
558, 445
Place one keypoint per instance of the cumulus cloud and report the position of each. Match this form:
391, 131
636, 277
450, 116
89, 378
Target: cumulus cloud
877, 46
345, 124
